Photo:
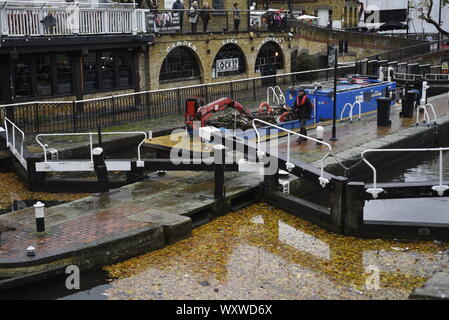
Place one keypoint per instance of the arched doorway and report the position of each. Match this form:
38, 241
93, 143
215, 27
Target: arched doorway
269, 59
181, 64
230, 60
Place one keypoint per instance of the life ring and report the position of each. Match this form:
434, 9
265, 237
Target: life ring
265, 104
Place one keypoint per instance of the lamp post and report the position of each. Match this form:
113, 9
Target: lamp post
439, 23
334, 116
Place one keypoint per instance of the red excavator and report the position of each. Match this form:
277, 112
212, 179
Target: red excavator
217, 114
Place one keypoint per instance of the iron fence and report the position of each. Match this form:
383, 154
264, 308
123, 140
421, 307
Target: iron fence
82, 115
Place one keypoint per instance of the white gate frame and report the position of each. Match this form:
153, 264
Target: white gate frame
375, 191
323, 181
12, 146
139, 163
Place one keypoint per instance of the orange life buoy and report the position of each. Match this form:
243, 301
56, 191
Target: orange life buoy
265, 104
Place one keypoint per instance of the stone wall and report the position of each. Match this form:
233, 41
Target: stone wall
206, 47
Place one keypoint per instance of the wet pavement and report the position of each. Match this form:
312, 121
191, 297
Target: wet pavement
90, 220
263, 253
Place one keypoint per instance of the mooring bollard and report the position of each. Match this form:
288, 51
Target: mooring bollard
100, 169
30, 251
319, 133
39, 212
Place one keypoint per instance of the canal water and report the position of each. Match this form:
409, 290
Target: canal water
418, 167
263, 253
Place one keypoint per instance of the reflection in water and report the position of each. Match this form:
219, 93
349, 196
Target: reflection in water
419, 167
264, 253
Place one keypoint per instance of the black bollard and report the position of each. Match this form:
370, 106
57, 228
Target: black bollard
219, 188
39, 209
101, 169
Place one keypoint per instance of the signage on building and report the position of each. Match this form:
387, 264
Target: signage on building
161, 22
225, 65
228, 41
268, 39
181, 44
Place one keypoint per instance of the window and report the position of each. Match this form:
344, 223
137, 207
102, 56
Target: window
22, 79
107, 70
270, 56
229, 61
124, 73
64, 73
218, 5
180, 64
40, 75
90, 72
43, 75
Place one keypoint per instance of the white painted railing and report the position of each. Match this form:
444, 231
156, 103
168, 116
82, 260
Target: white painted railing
323, 181
351, 110
436, 77
375, 191
11, 141
71, 20
408, 77
44, 147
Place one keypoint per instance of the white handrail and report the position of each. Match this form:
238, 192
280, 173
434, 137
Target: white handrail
14, 150
90, 134
281, 95
323, 181
271, 89
375, 191
351, 110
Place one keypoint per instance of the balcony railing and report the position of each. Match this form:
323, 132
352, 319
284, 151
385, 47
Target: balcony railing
19, 18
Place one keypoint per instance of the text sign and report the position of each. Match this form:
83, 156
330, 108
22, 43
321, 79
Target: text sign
225, 65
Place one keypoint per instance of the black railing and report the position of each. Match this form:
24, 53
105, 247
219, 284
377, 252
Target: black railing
83, 115
408, 52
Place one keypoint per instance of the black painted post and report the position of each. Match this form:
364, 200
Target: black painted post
334, 116
39, 211
219, 189
354, 203
100, 143
101, 169
337, 206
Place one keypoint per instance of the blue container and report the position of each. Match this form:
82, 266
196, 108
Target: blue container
346, 93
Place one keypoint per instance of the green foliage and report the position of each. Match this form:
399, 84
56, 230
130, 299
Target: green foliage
307, 62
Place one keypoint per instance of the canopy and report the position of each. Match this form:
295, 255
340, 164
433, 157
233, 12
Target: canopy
393, 25
307, 17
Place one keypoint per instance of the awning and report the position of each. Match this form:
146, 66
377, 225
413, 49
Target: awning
393, 25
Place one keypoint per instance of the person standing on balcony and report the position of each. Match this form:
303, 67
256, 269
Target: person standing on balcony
193, 15
236, 14
178, 7
205, 15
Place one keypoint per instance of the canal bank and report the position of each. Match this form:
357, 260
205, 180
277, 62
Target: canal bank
90, 228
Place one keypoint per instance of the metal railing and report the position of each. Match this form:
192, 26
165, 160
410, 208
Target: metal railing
19, 18
375, 191
91, 144
82, 115
351, 110
416, 50
260, 154
277, 94
11, 141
